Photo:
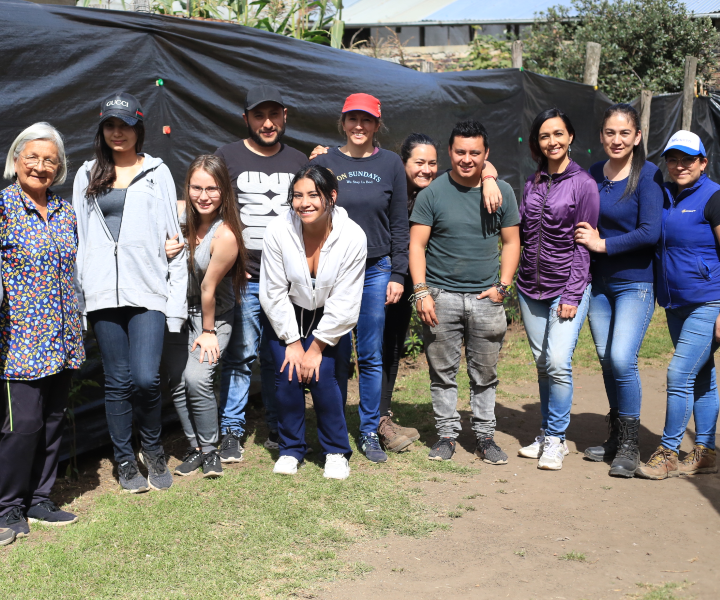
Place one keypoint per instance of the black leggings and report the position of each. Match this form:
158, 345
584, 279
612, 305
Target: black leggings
397, 320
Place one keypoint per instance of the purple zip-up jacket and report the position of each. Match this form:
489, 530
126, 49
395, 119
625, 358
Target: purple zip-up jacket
552, 264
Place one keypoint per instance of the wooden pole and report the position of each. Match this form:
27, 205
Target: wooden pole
427, 66
592, 63
517, 50
645, 102
689, 91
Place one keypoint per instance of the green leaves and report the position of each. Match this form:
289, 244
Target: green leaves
644, 44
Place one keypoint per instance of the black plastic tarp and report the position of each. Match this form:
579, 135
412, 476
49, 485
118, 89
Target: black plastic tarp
57, 63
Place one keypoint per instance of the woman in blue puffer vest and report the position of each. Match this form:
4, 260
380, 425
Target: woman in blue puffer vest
687, 285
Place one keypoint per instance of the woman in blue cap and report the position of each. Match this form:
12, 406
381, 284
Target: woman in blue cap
687, 285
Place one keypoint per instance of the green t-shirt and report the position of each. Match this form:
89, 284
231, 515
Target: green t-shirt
462, 253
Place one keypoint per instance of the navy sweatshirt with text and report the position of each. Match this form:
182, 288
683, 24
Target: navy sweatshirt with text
373, 190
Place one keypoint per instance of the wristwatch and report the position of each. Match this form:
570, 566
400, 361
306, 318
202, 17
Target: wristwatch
213, 331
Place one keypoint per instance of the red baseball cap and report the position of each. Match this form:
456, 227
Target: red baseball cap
365, 102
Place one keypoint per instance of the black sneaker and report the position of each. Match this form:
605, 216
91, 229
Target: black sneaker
273, 441
131, 480
48, 513
7, 536
15, 520
211, 464
490, 452
231, 450
191, 462
443, 449
159, 476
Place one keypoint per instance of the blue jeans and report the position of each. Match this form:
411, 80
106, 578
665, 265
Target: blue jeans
247, 339
369, 340
691, 383
327, 400
552, 341
131, 344
619, 315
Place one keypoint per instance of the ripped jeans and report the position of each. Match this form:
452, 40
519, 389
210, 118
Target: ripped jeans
619, 314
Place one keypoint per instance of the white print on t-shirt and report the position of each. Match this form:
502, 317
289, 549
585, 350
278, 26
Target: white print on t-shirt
261, 197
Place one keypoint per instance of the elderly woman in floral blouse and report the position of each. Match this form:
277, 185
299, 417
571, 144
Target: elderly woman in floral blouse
40, 330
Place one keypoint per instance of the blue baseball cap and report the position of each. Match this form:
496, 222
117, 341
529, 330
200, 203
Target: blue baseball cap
686, 142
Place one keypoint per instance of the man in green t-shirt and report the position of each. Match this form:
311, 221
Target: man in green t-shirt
458, 295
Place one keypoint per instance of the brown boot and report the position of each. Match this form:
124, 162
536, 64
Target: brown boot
394, 437
700, 460
662, 464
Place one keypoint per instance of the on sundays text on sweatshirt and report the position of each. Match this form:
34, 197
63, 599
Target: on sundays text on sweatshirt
373, 190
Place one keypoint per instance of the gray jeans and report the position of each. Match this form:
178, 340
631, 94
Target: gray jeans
191, 381
482, 324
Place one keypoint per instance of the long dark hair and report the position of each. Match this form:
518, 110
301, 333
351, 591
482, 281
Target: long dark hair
228, 212
102, 175
534, 140
638, 152
325, 184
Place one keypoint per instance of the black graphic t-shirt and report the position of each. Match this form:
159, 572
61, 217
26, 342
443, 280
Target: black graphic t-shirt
261, 184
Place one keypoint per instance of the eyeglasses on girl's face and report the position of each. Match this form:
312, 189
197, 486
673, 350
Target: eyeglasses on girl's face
211, 191
686, 162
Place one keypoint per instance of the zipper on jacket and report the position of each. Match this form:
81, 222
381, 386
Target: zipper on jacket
542, 213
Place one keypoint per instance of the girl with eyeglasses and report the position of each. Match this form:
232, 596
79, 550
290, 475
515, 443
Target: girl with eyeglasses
127, 288
216, 265
687, 285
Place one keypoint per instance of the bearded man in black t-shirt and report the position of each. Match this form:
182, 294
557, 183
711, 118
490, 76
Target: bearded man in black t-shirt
261, 168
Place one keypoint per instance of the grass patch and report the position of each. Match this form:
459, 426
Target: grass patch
665, 591
574, 556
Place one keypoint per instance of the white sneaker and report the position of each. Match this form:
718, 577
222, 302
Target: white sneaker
287, 465
534, 450
553, 452
336, 467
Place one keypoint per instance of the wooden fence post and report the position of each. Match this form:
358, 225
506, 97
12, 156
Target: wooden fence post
689, 91
517, 50
592, 63
427, 66
645, 102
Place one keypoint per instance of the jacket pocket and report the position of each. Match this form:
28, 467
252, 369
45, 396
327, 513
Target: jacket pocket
137, 270
703, 268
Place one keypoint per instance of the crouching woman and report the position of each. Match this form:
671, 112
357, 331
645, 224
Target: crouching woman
311, 283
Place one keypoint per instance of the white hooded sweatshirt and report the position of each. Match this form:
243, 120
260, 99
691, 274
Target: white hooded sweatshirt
285, 277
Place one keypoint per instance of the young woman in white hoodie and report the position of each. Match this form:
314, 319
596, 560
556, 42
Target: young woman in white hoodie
128, 290
311, 282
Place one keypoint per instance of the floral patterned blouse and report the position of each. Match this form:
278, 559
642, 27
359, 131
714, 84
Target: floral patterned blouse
40, 330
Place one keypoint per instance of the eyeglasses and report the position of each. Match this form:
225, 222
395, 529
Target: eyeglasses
212, 191
33, 161
686, 161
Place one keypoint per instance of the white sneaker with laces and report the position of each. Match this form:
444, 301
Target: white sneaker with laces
553, 453
336, 467
286, 465
535, 449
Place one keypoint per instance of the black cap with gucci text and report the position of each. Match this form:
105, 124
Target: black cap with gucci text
123, 106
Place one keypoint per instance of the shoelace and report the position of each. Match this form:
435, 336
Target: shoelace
553, 449
371, 442
696, 455
229, 440
628, 446
488, 443
128, 470
659, 456
14, 516
444, 442
211, 459
157, 463
190, 454
49, 505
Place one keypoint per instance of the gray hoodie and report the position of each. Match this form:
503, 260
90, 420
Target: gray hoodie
135, 270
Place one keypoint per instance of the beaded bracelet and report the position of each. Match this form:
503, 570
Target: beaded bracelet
503, 290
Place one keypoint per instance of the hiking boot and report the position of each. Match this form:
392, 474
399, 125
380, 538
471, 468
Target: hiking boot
15, 520
490, 452
370, 445
627, 458
700, 460
336, 467
534, 450
7, 536
48, 513
191, 462
130, 478
211, 464
443, 449
287, 465
394, 437
608, 449
273, 441
231, 450
159, 476
662, 464
553, 453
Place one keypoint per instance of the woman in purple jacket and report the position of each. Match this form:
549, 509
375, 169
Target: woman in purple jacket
554, 277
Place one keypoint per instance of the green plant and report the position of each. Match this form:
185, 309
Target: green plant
644, 44
414, 339
520, 552
574, 556
75, 399
487, 52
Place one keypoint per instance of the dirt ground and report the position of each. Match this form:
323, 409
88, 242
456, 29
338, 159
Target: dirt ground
523, 520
